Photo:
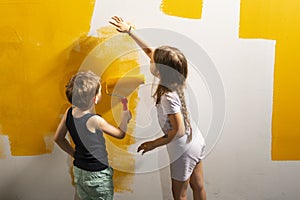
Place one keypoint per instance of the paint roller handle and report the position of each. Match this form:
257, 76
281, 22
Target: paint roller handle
124, 101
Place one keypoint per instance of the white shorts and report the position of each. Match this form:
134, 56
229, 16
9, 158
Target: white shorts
184, 155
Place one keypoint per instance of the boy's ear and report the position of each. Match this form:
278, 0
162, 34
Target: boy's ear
96, 99
98, 95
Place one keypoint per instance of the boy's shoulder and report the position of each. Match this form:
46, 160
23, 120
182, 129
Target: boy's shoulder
96, 117
94, 122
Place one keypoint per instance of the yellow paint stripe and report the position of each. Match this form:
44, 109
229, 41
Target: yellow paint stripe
279, 20
191, 9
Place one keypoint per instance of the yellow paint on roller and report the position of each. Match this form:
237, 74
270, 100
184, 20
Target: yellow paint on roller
123, 86
36, 38
182, 8
279, 20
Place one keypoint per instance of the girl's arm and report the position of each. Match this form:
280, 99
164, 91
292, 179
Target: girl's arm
177, 128
109, 129
60, 137
124, 27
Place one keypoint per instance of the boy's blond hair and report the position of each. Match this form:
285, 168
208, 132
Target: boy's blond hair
82, 88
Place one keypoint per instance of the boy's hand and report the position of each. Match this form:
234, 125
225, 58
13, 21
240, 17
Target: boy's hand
126, 115
124, 101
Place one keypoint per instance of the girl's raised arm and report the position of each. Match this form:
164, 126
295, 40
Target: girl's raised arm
125, 27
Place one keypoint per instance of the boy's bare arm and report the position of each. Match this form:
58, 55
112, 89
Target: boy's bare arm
112, 130
60, 137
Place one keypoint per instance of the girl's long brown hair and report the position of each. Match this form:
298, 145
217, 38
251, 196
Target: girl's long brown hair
173, 69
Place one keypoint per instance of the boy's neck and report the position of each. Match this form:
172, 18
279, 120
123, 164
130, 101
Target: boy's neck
80, 112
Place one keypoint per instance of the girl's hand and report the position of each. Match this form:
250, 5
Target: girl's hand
119, 23
146, 146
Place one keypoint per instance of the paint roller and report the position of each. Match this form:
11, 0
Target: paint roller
122, 87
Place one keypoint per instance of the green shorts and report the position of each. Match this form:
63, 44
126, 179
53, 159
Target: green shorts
94, 185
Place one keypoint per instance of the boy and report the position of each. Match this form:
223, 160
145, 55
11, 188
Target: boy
92, 173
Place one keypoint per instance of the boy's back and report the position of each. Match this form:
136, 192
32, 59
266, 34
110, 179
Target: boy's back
90, 150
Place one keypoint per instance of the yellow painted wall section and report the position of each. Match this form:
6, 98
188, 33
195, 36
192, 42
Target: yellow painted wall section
42, 44
36, 38
279, 20
191, 9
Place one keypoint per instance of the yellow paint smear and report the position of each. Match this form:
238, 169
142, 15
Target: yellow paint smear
36, 38
2, 147
279, 20
191, 9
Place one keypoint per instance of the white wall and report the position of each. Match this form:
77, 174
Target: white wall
239, 167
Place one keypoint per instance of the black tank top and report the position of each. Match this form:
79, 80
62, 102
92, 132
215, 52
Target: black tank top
90, 149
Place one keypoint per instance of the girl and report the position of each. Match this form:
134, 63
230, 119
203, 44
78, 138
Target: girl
92, 173
185, 147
